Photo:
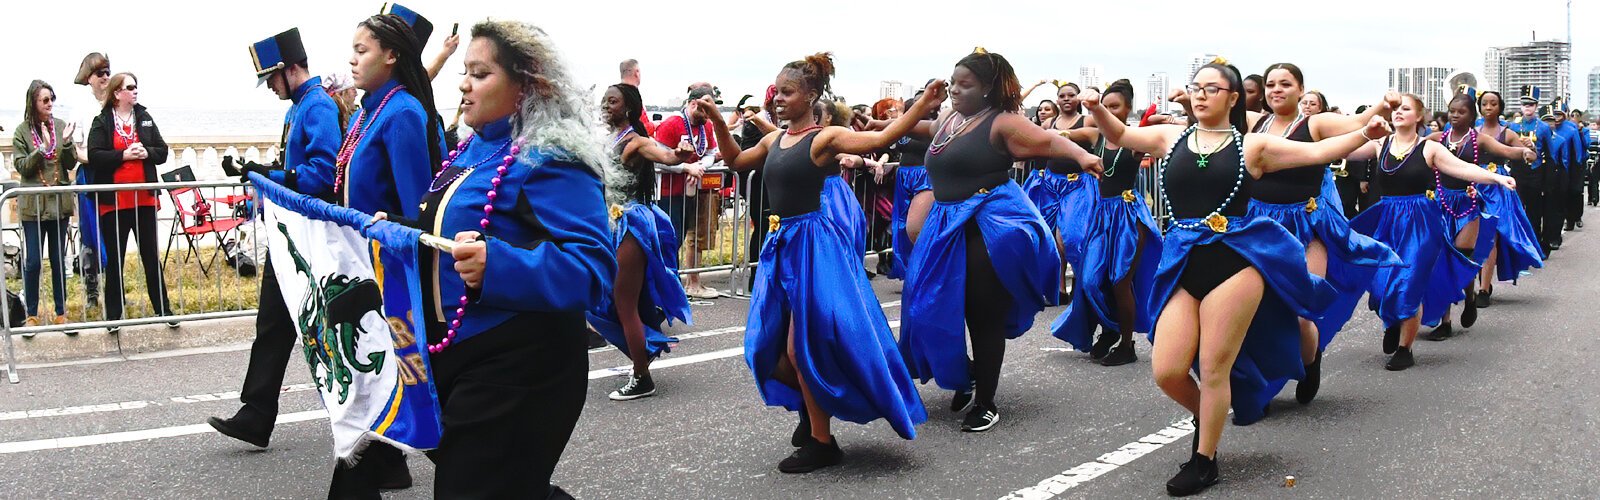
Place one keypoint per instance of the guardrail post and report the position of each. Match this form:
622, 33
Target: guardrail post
740, 287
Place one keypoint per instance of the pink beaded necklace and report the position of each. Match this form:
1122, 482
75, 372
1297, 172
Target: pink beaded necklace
50, 152
347, 149
488, 209
1468, 141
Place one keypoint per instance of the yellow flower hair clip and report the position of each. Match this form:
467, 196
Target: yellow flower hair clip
979, 50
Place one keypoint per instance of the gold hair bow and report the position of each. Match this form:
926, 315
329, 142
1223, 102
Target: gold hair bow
1220, 60
979, 50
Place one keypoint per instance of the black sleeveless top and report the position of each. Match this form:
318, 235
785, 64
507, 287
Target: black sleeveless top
1293, 185
1193, 192
1067, 167
969, 163
793, 181
1465, 154
1122, 170
913, 152
1410, 176
641, 186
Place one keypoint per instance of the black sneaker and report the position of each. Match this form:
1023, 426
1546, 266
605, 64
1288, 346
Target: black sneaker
1443, 332
1401, 360
1103, 345
1391, 339
980, 419
1306, 390
1121, 355
1483, 301
234, 429
1469, 314
811, 456
596, 341
963, 399
638, 386
1193, 477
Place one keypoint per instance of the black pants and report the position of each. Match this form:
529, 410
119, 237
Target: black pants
987, 303
114, 230
269, 357
1537, 189
1349, 194
1594, 184
1576, 175
1556, 185
510, 398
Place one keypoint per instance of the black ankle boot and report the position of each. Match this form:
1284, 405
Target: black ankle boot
1306, 390
1391, 339
1469, 311
1194, 477
1444, 331
802, 432
1483, 301
1401, 360
1103, 345
811, 456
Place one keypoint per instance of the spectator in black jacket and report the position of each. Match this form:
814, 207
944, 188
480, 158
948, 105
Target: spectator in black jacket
124, 148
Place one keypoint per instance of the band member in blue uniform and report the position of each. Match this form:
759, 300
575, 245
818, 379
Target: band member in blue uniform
1121, 239
1571, 142
1516, 246
1229, 289
1468, 220
1535, 182
648, 292
524, 200
310, 143
1409, 218
816, 340
986, 259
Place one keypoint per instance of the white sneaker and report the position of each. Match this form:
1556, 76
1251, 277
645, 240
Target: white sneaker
703, 292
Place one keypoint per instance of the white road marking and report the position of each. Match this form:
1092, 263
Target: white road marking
1071, 478
716, 332
618, 371
141, 435
135, 405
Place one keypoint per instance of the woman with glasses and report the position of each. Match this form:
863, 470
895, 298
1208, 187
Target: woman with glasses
1306, 202
125, 146
45, 155
1410, 218
1229, 288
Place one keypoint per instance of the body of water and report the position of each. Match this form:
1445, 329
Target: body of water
191, 123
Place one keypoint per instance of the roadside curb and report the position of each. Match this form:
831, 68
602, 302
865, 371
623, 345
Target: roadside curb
95, 343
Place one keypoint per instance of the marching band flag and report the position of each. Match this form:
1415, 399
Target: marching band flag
354, 304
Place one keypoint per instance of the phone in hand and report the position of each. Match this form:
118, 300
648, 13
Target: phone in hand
454, 27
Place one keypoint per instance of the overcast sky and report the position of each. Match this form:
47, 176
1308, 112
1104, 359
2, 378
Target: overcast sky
193, 54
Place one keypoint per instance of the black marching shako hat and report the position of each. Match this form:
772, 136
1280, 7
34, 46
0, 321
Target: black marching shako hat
419, 25
276, 53
1530, 94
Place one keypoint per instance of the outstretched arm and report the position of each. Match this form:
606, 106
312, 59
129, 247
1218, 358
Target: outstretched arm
1494, 147
1441, 159
835, 140
736, 159
1272, 153
1332, 124
1027, 141
1154, 139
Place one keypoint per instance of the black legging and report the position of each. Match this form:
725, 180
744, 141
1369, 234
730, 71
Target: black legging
987, 304
114, 229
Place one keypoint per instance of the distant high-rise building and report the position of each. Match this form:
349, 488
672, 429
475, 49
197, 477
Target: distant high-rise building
1429, 82
1544, 64
1196, 63
1594, 93
1089, 76
1156, 89
891, 89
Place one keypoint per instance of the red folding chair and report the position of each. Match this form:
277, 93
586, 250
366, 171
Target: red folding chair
195, 220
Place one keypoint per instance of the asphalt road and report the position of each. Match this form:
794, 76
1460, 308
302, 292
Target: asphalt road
1507, 410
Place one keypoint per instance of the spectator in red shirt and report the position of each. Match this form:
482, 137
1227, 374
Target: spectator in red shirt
630, 76
124, 147
693, 212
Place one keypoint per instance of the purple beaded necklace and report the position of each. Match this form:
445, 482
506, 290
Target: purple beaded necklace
488, 209
1468, 141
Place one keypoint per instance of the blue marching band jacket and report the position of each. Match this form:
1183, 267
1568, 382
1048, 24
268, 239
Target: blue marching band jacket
311, 142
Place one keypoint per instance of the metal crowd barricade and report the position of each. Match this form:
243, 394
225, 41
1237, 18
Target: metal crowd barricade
199, 237
717, 225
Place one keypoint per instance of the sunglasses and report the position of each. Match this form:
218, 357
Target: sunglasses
103, 73
131, 88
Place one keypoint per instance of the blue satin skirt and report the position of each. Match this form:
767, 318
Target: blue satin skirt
1414, 227
661, 299
1518, 245
1063, 200
908, 181
1110, 253
933, 317
1270, 353
810, 277
1353, 258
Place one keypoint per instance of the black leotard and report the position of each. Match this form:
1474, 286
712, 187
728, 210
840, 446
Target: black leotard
1411, 176
969, 163
793, 180
642, 185
1293, 185
913, 152
1465, 154
1193, 192
1067, 167
1122, 167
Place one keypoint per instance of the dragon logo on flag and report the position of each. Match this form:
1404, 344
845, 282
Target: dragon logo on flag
330, 324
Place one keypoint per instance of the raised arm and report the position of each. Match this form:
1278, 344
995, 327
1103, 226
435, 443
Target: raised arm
1027, 141
437, 65
1155, 139
1331, 124
1366, 152
835, 140
1441, 159
1270, 153
736, 159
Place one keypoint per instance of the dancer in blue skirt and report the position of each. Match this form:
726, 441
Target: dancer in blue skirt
1467, 217
817, 340
1410, 220
1121, 241
986, 258
1306, 202
1229, 289
1060, 189
647, 292
913, 196
1516, 246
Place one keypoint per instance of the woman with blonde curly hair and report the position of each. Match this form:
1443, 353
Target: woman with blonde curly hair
524, 199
